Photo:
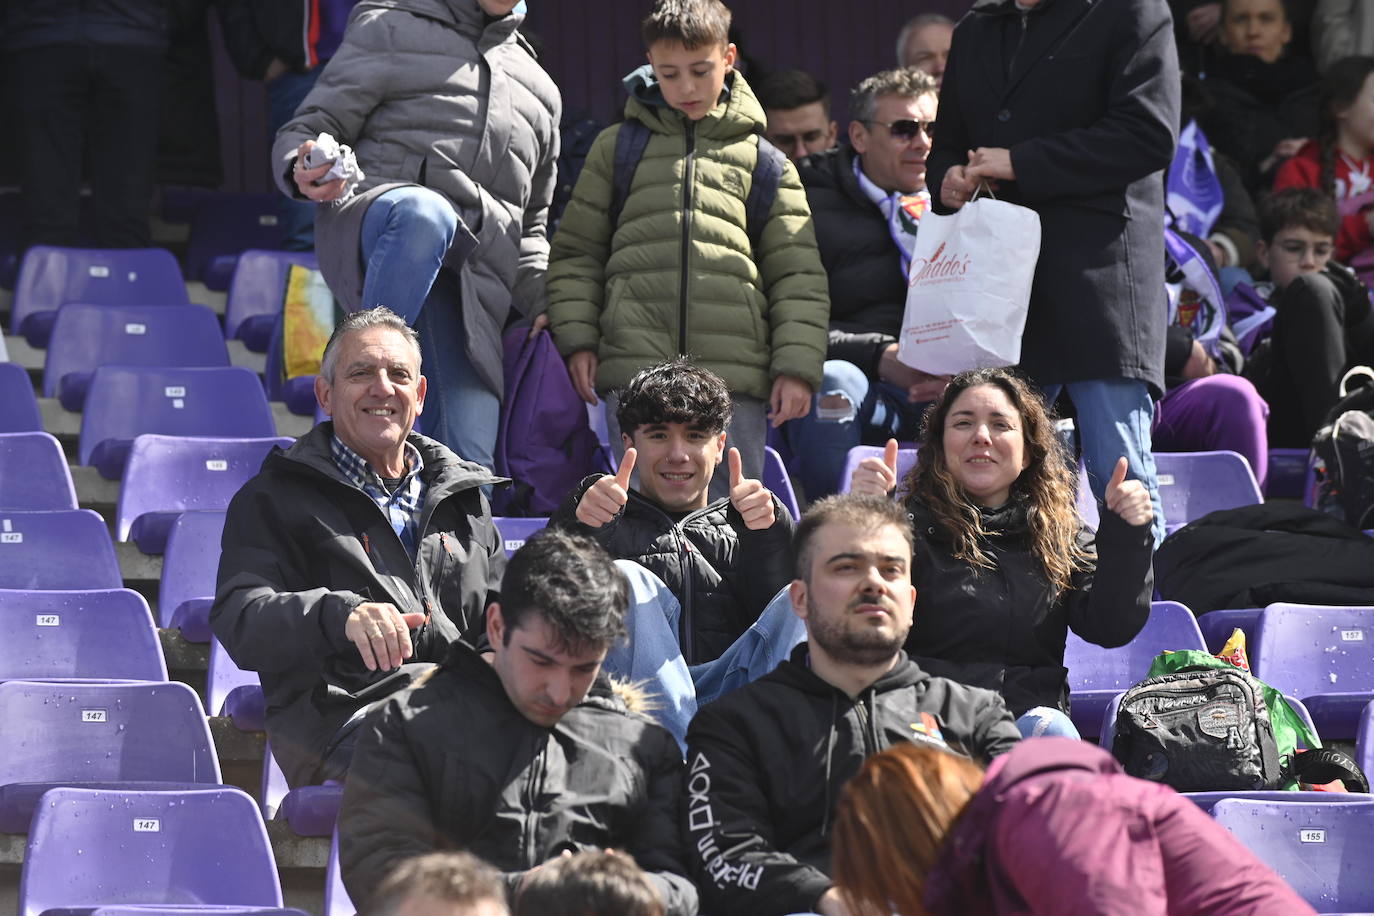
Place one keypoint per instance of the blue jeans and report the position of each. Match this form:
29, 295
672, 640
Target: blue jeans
821, 440
405, 234
1114, 418
296, 218
650, 650
1045, 721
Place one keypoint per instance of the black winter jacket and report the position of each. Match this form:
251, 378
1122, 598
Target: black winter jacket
453, 764
1003, 628
303, 546
1254, 105
37, 23
255, 31
721, 572
867, 291
766, 763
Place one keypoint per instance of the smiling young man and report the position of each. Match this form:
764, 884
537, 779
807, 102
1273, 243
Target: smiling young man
765, 764
353, 555
526, 754
723, 560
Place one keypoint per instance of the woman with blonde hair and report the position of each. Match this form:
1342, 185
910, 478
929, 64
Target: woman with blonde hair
1003, 567
1054, 827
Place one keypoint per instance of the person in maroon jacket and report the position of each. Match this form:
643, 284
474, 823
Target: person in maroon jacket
1053, 826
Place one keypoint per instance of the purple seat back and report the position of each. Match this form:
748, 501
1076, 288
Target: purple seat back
18, 404
1325, 655
906, 460
70, 549
125, 403
776, 479
191, 561
85, 337
1191, 484
34, 473
168, 475
336, 899
257, 293
222, 676
515, 531
1288, 473
50, 277
1321, 849
226, 225
204, 846
105, 633
1364, 740
307, 810
1097, 674
1207, 800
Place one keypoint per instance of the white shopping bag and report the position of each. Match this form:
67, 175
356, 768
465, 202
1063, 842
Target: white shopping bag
969, 287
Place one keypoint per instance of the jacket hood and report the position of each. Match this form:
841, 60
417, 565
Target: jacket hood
958, 878
796, 672
1005, 521
465, 14
737, 113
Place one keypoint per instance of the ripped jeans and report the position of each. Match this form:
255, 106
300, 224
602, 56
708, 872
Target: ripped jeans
867, 413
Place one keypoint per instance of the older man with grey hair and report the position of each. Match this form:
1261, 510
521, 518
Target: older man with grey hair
356, 554
924, 42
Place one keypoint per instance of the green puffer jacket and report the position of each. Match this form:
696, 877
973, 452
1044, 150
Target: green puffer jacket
677, 274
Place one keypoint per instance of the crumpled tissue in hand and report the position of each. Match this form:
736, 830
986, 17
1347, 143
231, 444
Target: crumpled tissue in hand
345, 165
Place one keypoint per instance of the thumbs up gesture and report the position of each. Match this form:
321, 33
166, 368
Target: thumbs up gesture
1128, 498
604, 499
876, 476
751, 499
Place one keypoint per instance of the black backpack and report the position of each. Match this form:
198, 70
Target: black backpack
633, 137
1345, 451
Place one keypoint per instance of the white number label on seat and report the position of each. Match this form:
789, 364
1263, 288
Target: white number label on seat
135, 328
1165, 480
1352, 635
99, 270
93, 715
216, 464
12, 537
147, 825
174, 391
48, 620
1312, 835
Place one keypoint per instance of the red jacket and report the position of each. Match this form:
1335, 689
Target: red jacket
1058, 828
1304, 171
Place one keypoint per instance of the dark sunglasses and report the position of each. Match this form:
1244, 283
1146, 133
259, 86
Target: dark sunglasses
906, 128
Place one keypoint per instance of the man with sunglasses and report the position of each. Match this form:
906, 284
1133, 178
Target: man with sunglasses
866, 198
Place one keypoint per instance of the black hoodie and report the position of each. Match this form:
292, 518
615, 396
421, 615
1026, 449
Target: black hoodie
767, 762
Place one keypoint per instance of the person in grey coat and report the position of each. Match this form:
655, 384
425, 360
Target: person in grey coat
455, 127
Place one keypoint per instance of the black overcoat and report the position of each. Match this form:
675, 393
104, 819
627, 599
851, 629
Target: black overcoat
1087, 101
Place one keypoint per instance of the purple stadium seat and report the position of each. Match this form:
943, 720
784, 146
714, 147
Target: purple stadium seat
1364, 740
81, 634
515, 531
18, 404
85, 337
34, 473
199, 846
1217, 625
125, 403
72, 733
775, 478
70, 549
50, 277
906, 460
307, 810
168, 475
231, 691
1191, 484
1321, 849
1207, 800
224, 226
336, 900
1289, 469
189, 568
1108, 729
257, 292
1097, 674
1325, 655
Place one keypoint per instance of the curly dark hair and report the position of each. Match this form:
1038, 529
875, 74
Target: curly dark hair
571, 582
678, 391
1046, 486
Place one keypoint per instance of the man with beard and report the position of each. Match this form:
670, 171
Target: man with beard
767, 762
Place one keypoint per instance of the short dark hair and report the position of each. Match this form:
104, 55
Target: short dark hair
907, 82
457, 878
678, 391
690, 23
1305, 208
571, 582
379, 317
589, 884
784, 90
859, 510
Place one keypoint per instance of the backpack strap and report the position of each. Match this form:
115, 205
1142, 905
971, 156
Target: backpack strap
630, 142
763, 190
1318, 766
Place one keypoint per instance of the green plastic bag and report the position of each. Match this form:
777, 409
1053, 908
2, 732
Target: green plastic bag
1290, 731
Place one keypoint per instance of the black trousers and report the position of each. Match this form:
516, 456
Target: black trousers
87, 110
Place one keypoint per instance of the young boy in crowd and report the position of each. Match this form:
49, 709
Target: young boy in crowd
1323, 324
723, 560
676, 272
